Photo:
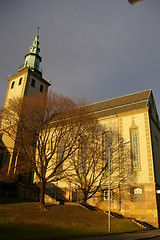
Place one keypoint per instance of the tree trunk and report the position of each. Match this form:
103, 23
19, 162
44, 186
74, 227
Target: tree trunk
85, 198
42, 194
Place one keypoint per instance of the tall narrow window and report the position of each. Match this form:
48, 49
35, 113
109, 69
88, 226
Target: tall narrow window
12, 84
106, 149
135, 149
20, 81
61, 151
33, 82
83, 152
41, 88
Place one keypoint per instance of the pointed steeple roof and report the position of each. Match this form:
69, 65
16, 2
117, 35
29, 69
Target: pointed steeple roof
33, 59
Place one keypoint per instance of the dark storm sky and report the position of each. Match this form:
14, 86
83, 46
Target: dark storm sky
95, 49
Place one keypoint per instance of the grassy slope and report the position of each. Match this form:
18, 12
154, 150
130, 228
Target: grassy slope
26, 221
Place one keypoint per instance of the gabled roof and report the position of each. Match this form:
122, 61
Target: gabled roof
118, 105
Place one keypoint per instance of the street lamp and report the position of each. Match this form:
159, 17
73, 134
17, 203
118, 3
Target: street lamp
109, 192
109, 185
134, 1
108, 140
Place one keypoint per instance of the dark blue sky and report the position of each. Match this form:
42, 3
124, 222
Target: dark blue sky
95, 49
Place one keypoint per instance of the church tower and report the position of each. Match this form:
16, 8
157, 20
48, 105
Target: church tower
27, 82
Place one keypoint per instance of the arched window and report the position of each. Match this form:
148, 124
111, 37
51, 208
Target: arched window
106, 142
135, 148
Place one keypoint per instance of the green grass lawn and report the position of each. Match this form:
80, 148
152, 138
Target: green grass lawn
26, 221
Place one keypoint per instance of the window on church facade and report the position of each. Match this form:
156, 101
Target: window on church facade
12, 84
105, 195
33, 82
135, 148
82, 156
20, 81
61, 151
106, 141
41, 88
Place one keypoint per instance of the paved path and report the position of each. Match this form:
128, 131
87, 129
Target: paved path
151, 234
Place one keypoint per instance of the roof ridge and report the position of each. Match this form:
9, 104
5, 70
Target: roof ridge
117, 107
111, 99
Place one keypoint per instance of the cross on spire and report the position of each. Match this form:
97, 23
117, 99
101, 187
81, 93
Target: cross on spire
38, 31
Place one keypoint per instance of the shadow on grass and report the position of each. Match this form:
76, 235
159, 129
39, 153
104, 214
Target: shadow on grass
90, 207
25, 221
14, 232
10, 200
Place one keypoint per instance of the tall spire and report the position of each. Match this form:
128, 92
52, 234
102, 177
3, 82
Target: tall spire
32, 59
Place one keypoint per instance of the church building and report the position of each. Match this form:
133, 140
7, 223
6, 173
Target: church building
136, 119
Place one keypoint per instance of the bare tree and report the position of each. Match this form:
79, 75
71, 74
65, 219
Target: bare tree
45, 132
87, 171
98, 148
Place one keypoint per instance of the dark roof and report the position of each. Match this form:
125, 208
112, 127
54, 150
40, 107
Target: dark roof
118, 105
112, 107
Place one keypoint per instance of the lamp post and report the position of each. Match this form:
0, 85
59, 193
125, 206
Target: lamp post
134, 1
109, 186
109, 192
